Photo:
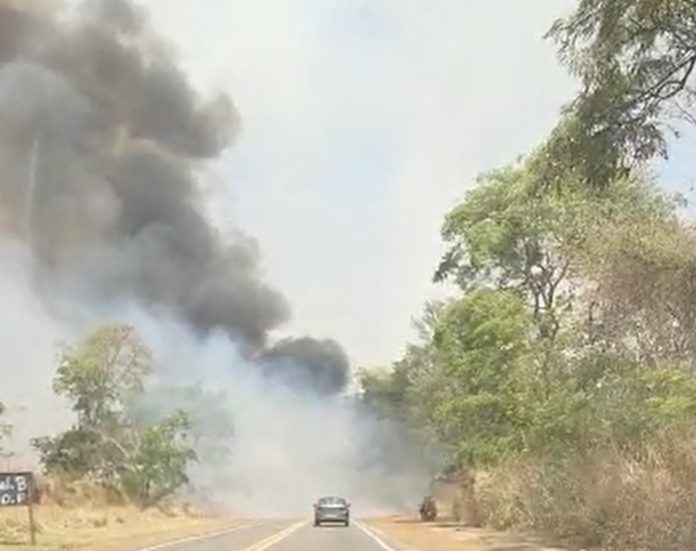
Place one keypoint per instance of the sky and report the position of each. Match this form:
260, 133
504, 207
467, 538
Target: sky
363, 122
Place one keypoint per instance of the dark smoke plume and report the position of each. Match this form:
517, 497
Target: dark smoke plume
100, 138
321, 365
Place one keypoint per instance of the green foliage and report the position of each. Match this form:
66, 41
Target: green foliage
635, 60
495, 233
507, 235
544, 352
385, 391
480, 338
72, 453
573, 343
103, 377
463, 383
100, 376
102, 373
480, 344
157, 467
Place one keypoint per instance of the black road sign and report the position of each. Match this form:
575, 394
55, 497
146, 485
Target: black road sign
16, 489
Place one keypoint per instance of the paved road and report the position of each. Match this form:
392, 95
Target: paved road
285, 535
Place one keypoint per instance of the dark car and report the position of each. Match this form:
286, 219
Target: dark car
331, 509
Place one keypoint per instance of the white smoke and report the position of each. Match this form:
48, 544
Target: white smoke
287, 446
264, 448
28, 338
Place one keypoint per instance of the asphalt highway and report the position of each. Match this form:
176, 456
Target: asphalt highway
285, 535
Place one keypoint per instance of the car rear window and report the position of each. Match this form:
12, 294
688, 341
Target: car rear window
332, 501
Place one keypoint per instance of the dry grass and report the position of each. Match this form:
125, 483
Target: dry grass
99, 528
616, 501
86, 517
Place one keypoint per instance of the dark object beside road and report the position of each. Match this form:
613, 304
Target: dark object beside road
428, 509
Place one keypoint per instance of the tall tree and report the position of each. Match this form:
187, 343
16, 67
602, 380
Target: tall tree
103, 376
102, 373
480, 342
635, 60
158, 463
99, 376
504, 236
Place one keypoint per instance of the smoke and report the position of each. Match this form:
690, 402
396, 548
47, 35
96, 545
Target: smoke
102, 140
285, 446
305, 362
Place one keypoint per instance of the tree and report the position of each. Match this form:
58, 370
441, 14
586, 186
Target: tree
102, 374
645, 293
481, 342
397, 392
502, 235
459, 382
505, 235
570, 351
386, 392
157, 466
72, 454
525, 352
104, 377
635, 60
211, 429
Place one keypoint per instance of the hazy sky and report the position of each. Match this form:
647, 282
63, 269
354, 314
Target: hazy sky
363, 122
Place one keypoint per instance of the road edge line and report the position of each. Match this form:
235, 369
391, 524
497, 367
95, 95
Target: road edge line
374, 537
199, 537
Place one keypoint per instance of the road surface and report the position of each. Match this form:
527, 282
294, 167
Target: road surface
285, 535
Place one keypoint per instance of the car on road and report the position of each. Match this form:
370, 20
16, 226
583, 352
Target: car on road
331, 509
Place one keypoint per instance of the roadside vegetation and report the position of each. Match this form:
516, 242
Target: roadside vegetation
563, 374
103, 377
562, 377
109, 447
111, 475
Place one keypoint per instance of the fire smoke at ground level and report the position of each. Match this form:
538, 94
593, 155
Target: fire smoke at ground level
265, 447
102, 220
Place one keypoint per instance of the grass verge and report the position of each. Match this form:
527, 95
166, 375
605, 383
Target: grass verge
77, 515
110, 528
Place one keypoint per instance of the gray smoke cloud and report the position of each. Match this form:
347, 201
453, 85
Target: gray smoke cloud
102, 218
101, 138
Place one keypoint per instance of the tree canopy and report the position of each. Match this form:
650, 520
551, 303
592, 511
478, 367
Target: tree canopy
635, 61
103, 376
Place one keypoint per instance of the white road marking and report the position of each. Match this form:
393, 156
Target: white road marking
201, 537
374, 537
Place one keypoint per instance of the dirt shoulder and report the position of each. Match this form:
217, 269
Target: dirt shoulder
447, 536
103, 529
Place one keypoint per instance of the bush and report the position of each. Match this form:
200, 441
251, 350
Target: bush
639, 499
158, 467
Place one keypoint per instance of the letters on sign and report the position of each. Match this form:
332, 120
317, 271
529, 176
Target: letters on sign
15, 489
